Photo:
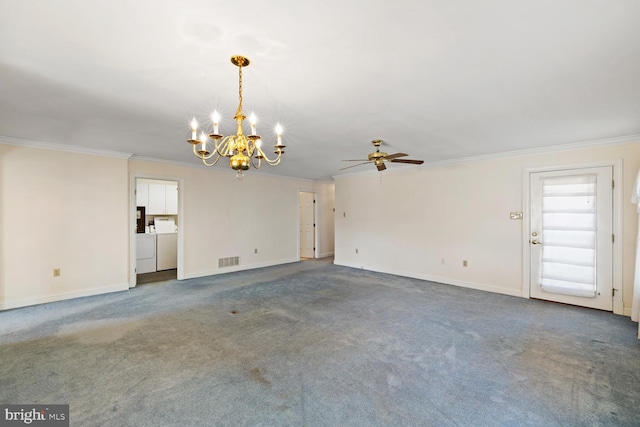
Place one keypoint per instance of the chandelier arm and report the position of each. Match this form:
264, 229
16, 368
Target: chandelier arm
211, 164
203, 156
253, 163
269, 161
196, 152
200, 155
251, 147
274, 162
204, 160
221, 148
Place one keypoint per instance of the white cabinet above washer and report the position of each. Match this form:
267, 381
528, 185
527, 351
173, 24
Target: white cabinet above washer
158, 197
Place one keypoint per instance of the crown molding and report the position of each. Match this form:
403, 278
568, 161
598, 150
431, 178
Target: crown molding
541, 150
517, 153
23, 142
137, 158
198, 165
506, 154
10, 140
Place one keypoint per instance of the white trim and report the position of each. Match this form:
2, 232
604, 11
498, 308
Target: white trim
315, 219
542, 150
138, 158
618, 177
200, 165
10, 140
234, 269
326, 254
526, 226
133, 231
7, 305
616, 165
438, 279
516, 153
63, 147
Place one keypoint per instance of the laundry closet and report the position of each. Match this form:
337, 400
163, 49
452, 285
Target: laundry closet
157, 225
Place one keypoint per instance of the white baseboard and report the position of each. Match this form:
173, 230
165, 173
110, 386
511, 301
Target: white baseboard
7, 305
444, 280
325, 254
241, 267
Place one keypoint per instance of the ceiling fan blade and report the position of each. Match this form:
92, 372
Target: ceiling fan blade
393, 156
353, 166
413, 162
357, 160
381, 167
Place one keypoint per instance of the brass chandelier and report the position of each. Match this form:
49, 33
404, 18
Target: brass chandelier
243, 150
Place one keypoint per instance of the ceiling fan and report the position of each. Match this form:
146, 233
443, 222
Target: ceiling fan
379, 157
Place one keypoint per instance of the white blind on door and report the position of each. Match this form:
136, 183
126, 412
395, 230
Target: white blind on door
569, 235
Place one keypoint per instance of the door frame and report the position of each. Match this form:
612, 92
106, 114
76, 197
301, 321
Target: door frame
315, 216
133, 177
618, 307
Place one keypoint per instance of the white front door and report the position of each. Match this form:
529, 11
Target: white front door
307, 225
571, 237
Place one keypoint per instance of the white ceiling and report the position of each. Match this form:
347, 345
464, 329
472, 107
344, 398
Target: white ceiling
438, 79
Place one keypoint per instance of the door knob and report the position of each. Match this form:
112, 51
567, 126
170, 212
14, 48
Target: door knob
536, 242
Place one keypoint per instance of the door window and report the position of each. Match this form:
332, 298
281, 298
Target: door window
569, 234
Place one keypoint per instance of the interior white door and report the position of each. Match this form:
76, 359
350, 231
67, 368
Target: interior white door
307, 225
571, 237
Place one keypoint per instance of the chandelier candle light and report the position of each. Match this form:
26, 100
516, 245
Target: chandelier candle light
242, 150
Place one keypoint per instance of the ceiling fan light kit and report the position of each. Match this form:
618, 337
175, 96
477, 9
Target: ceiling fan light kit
378, 158
242, 150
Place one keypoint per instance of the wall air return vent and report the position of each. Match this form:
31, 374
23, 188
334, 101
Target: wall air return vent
228, 262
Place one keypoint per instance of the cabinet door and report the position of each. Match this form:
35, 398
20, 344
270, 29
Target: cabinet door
156, 199
142, 195
171, 203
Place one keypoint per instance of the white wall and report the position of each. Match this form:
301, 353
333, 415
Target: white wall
417, 216
61, 210
223, 216
73, 211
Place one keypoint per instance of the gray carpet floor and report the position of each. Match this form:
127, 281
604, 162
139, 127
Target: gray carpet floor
314, 344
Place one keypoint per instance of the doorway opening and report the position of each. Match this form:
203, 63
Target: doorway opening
155, 243
307, 225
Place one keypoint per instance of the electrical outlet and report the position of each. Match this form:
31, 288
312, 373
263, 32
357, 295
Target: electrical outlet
255, 251
56, 272
356, 251
344, 214
442, 261
464, 263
